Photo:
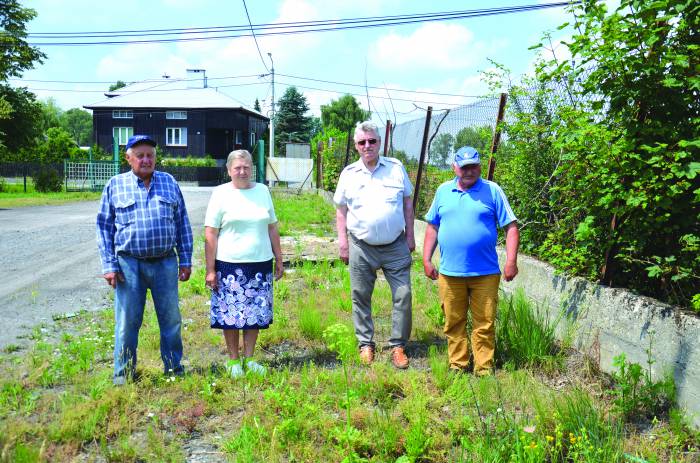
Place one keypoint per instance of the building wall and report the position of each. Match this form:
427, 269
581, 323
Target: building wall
153, 122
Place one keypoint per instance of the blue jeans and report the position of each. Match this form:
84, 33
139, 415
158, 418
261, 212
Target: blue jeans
161, 277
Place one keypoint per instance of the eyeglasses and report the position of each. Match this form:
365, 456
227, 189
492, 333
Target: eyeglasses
371, 141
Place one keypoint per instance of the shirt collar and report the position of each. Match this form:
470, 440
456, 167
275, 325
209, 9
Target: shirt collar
381, 161
475, 187
138, 180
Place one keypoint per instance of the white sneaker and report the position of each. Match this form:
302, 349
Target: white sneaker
254, 367
235, 369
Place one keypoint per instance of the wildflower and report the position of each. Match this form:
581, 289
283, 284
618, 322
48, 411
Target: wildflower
532, 445
549, 438
529, 429
572, 440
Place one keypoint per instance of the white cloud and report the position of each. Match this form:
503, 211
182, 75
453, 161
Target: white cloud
438, 46
139, 62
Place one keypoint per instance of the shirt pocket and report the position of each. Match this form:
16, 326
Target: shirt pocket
125, 211
393, 192
166, 207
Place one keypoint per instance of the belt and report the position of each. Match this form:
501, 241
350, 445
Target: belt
170, 253
401, 235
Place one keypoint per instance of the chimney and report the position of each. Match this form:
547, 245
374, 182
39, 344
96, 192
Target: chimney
194, 76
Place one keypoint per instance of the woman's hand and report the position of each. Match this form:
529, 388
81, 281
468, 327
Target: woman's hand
210, 281
279, 269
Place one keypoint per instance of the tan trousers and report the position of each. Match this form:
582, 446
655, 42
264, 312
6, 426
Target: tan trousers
480, 295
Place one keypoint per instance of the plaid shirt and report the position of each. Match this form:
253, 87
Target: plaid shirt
142, 222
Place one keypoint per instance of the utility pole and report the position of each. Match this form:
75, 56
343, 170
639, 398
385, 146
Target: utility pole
272, 119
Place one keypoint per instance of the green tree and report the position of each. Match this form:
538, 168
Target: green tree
291, 122
117, 85
476, 137
256, 105
343, 113
23, 125
51, 114
59, 145
440, 150
17, 55
78, 123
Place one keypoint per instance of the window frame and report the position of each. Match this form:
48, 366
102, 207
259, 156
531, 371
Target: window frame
118, 135
170, 136
174, 115
122, 114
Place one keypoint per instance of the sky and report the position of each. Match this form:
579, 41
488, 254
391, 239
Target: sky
445, 57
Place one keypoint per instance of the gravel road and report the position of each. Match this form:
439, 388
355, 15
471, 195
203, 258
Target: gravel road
49, 263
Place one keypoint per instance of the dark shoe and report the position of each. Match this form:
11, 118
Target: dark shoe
398, 358
367, 354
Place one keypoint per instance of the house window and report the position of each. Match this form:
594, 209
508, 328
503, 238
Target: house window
176, 114
122, 134
122, 114
252, 139
239, 137
176, 136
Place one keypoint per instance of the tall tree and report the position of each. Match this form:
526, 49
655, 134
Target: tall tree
19, 112
117, 85
256, 106
476, 137
343, 113
78, 123
440, 150
16, 55
51, 114
291, 122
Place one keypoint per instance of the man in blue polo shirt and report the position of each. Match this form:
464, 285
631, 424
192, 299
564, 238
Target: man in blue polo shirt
463, 220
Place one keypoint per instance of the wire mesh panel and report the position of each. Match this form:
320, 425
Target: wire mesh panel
88, 176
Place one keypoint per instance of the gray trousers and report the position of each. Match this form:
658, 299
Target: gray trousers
395, 261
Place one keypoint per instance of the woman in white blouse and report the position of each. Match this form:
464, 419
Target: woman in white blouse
241, 239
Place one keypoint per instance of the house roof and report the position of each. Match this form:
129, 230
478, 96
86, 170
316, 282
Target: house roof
169, 94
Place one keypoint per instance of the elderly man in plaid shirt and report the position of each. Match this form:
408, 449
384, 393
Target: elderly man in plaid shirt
142, 232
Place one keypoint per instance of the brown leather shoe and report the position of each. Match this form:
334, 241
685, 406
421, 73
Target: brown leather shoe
367, 354
398, 358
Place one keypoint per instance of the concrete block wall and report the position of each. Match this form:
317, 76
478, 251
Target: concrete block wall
610, 321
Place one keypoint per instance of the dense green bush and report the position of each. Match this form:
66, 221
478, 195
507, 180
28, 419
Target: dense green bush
189, 161
603, 177
48, 180
332, 155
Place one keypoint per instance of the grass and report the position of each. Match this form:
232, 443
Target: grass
318, 403
13, 196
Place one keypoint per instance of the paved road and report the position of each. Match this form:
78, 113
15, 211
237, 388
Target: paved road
49, 264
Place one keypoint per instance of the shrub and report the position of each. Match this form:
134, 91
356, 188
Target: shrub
48, 180
189, 161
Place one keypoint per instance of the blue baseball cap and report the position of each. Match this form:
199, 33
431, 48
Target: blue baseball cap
138, 139
466, 155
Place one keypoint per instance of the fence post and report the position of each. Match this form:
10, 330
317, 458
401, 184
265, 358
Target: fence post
387, 134
496, 135
347, 148
423, 149
261, 161
25, 176
319, 165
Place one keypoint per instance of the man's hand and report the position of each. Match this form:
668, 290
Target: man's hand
112, 278
411, 243
185, 273
210, 280
344, 251
430, 270
510, 270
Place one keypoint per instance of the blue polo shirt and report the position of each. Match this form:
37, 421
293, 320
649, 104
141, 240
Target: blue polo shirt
466, 223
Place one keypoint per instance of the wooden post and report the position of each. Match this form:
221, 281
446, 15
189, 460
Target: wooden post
319, 165
423, 149
387, 134
497, 135
347, 148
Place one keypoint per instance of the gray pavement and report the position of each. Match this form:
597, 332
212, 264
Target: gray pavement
49, 263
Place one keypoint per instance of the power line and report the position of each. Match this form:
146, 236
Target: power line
252, 30
320, 26
150, 80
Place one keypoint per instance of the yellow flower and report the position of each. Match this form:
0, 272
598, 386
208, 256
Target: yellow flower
533, 445
572, 440
549, 438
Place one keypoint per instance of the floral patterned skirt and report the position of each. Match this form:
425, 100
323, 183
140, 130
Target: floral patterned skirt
243, 298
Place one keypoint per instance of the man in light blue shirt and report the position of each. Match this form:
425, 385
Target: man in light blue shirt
463, 220
142, 232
